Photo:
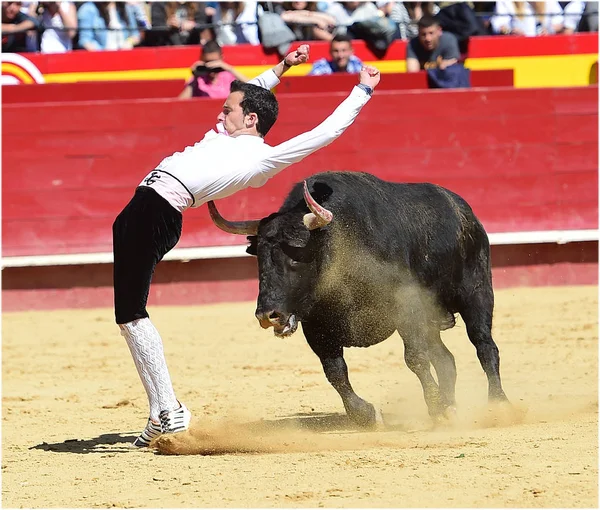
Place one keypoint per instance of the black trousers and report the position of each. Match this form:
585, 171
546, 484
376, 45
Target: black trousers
145, 230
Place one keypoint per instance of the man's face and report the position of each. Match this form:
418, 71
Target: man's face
430, 37
232, 116
51, 7
341, 51
211, 56
10, 10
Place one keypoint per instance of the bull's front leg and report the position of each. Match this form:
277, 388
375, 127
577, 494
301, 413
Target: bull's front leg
322, 340
357, 409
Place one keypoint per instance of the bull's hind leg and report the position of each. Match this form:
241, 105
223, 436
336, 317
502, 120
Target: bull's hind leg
417, 359
445, 368
336, 371
477, 314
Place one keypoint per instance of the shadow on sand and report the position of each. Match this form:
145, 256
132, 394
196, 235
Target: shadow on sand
104, 443
322, 423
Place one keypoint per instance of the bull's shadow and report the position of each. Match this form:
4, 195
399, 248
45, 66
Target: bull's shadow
320, 423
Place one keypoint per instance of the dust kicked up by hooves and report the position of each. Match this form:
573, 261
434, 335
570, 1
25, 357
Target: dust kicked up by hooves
229, 437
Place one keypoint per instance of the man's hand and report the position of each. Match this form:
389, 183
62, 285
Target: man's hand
443, 64
300, 56
370, 76
188, 25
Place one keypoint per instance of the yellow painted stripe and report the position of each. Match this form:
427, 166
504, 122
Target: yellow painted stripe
542, 71
533, 71
19, 72
145, 74
182, 73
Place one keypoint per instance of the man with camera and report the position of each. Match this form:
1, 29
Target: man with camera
212, 76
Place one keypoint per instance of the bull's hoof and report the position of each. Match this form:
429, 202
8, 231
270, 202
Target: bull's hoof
447, 416
451, 414
367, 417
502, 413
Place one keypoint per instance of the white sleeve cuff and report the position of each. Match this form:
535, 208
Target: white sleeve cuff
360, 93
266, 80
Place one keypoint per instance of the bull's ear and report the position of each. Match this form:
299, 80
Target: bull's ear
252, 246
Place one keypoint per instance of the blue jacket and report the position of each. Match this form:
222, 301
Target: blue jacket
92, 28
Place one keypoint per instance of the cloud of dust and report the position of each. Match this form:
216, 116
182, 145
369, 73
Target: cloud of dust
408, 431
375, 290
227, 437
474, 412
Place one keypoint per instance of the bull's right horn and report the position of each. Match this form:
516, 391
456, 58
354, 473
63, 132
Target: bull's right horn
248, 228
319, 216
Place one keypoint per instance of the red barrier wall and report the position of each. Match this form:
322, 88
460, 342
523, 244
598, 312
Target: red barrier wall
150, 89
91, 91
212, 281
524, 159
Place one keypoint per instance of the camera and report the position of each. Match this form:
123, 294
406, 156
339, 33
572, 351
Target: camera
202, 70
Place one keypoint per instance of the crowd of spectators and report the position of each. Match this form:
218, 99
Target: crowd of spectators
52, 27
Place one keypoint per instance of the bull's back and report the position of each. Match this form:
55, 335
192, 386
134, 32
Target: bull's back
384, 211
424, 228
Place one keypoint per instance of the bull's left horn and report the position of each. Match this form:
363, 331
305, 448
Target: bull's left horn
249, 228
319, 216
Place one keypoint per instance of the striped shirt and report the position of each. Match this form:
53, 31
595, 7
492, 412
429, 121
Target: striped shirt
325, 66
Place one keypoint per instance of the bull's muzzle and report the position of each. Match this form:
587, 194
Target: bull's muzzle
268, 319
283, 324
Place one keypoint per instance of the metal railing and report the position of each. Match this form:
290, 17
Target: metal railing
203, 26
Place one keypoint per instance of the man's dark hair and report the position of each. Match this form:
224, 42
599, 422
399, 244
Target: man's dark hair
211, 46
427, 21
341, 38
260, 101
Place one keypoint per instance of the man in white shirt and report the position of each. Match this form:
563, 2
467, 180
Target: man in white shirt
226, 160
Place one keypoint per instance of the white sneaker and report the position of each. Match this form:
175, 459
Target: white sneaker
175, 421
151, 431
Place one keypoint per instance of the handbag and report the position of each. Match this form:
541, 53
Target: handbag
377, 32
274, 33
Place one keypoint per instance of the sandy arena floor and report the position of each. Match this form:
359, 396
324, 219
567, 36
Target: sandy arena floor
271, 431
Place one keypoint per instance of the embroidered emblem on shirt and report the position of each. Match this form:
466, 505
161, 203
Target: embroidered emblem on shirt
154, 176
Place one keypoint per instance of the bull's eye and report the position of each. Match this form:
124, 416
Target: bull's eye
295, 255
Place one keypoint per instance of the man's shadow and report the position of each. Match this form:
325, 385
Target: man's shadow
320, 423
104, 443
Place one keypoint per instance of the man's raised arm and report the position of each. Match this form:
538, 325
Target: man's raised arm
332, 127
270, 78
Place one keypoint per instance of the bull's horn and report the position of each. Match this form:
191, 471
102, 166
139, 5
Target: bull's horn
319, 216
232, 227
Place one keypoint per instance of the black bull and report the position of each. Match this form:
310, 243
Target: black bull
355, 258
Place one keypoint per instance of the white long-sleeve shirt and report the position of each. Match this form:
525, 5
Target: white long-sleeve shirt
219, 165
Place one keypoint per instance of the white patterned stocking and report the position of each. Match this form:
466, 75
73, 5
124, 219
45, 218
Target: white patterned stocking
148, 355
